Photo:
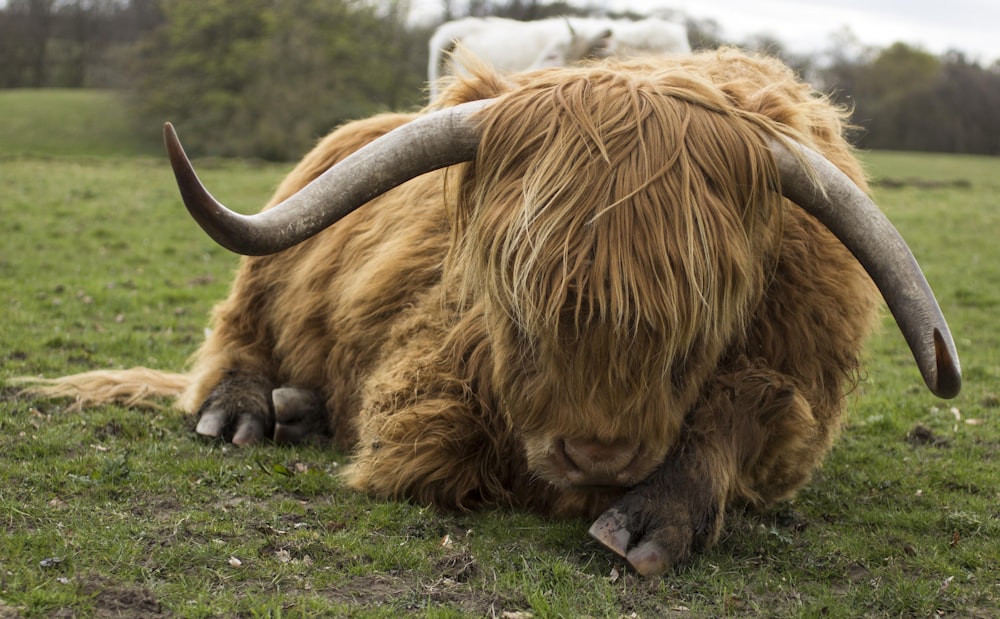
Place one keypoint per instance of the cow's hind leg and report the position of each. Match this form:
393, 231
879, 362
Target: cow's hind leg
244, 409
236, 387
753, 438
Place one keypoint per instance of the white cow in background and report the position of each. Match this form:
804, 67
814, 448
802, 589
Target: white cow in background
510, 45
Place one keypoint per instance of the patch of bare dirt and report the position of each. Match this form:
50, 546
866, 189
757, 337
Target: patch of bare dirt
9, 393
454, 583
8, 612
122, 602
407, 589
115, 600
457, 567
922, 435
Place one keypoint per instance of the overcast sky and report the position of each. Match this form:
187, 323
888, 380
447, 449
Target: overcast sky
972, 26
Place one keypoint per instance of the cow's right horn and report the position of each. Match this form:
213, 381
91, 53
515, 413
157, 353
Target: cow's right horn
431, 142
830, 196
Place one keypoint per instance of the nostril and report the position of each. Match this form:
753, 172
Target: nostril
593, 455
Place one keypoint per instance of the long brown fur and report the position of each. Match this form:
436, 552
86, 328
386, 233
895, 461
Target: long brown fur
616, 263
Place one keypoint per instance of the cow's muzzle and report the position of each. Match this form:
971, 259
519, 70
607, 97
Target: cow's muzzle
589, 462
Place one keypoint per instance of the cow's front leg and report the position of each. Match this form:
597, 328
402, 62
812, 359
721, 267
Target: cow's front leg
753, 438
244, 408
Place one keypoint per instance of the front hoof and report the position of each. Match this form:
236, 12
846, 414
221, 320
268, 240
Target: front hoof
657, 525
611, 530
647, 558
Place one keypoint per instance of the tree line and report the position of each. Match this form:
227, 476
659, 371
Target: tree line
265, 78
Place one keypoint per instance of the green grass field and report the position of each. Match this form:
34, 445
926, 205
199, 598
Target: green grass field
64, 123
117, 512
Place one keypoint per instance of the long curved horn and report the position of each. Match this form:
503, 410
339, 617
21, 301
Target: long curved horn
431, 142
859, 224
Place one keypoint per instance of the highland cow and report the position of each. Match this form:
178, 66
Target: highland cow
510, 45
633, 291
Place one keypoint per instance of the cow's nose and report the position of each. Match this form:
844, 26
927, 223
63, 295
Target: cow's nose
599, 462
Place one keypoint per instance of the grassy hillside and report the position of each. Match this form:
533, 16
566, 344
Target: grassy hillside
65, 123
118, 512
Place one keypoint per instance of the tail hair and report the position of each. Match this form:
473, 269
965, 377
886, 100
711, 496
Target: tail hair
136, 387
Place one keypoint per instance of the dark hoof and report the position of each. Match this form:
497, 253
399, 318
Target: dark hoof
238, 410
215, 423
245, 410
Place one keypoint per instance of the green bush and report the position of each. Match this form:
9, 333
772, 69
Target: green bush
266, 79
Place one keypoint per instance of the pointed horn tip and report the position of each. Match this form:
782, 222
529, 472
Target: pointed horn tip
947, 382
183, 171
169, 133
170, 140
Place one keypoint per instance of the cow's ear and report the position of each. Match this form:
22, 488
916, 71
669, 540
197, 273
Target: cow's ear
601, 46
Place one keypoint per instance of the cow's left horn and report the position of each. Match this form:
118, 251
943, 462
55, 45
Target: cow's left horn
431, 142
830, 196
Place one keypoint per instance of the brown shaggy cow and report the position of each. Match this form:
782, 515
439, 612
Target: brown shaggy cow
617, 301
